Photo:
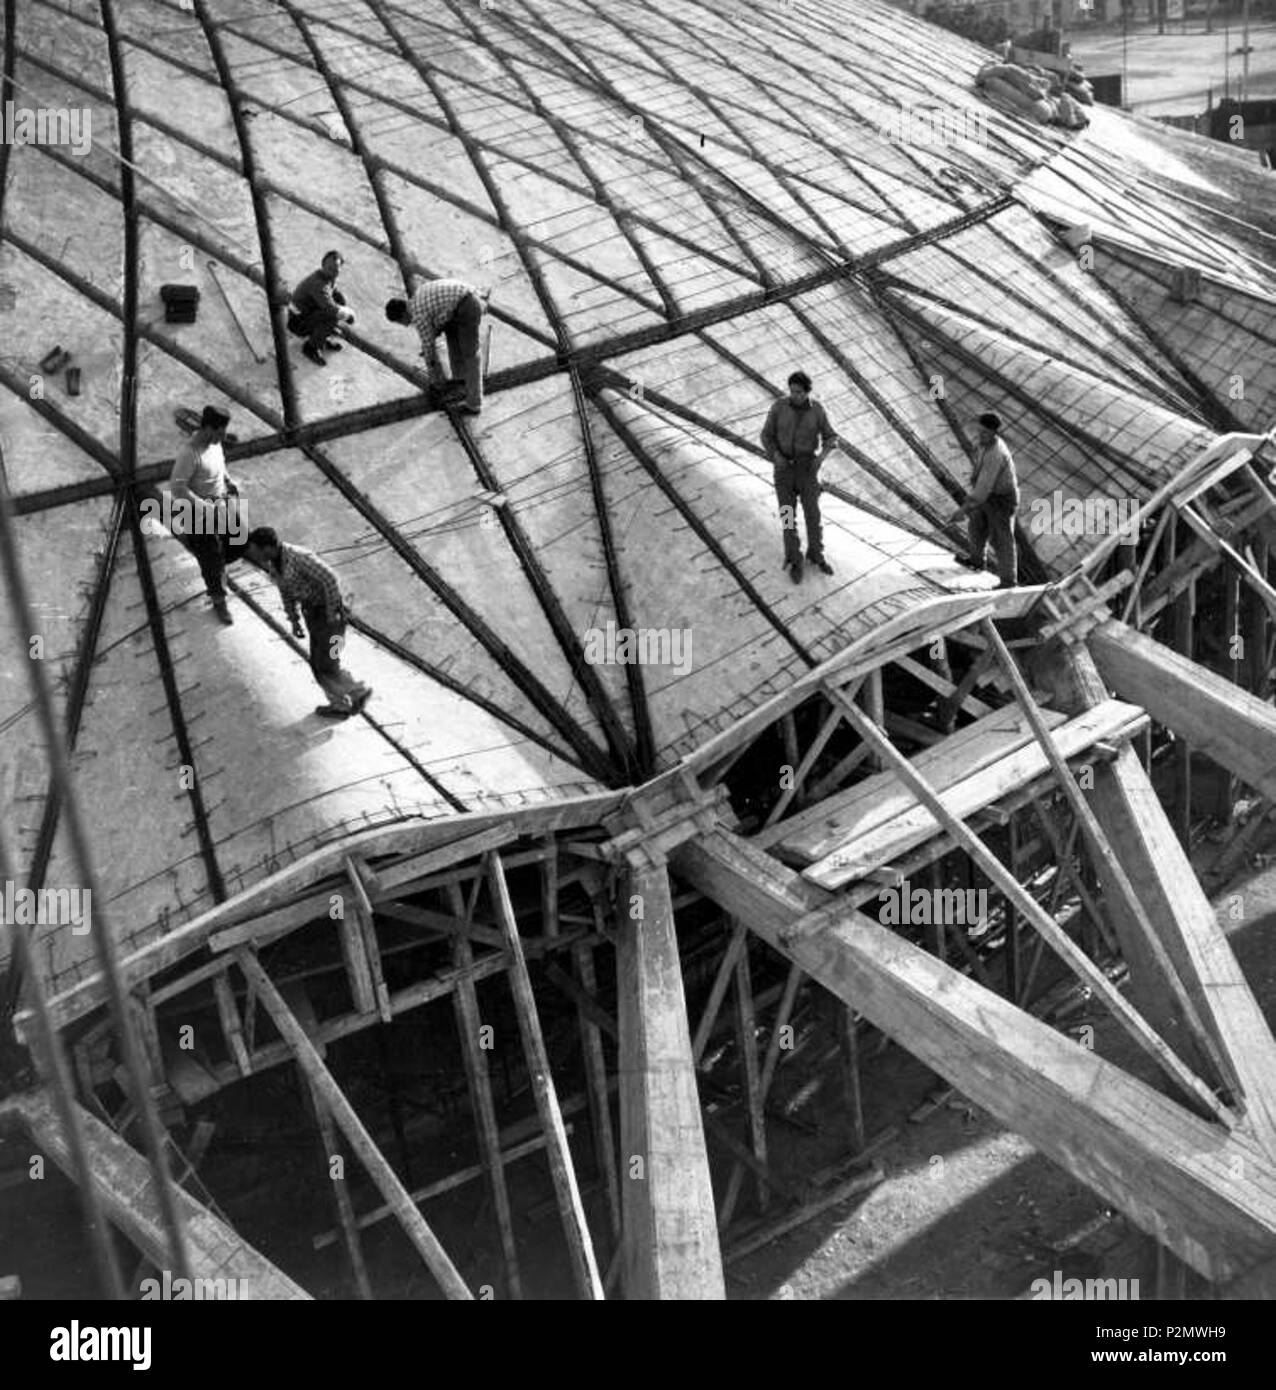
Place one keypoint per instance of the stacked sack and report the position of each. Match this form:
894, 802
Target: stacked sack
1043, 97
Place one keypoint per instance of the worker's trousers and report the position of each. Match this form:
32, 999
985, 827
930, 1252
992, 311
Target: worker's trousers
318, 325
994, 519
798, 480
215, 549
326, 642
462, 331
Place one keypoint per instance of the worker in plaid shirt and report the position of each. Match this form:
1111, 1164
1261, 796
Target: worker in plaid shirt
454, 308
309, 586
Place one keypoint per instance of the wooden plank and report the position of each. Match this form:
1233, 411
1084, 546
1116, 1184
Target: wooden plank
387, 1182
746, 1029
718, 990
356, 872
1236, 729
596, 1088
231, 1027
323, 863
962, 697
588, 1006
441, 1185
1132, 1022
579, 1245
818, 743
784, 1009
1164, 981
815, 831
328, 1150
126, 1191
919, 627
1126, 803
1209, 1194
670, 1234
1235, 445
893, 836
469, 1024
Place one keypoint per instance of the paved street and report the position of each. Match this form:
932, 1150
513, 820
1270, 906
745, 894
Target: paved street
1176, 73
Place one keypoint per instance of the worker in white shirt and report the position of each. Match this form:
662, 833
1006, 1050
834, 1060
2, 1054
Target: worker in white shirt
993, 501
205, 518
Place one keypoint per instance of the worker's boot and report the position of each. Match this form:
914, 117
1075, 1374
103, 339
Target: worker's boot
223, 612
314, 355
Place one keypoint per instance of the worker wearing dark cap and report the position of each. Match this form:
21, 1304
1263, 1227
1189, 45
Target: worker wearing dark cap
993, 501
199, 480
798, 438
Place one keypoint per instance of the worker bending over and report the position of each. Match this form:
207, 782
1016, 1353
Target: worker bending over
454, 308
309, 586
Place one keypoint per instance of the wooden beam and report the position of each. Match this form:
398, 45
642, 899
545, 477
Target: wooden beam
1166, 884
1134, 1024
413, 1223
746, 1027
579, 1245
469, 1024
718, 990
1235, 729
231, 1027
597, 1089
867, 849
439, 1186
126, 1191
328, 1150
1174, 1174
1167, 1003
670, 1233
787, 794
357, 872
784, 1009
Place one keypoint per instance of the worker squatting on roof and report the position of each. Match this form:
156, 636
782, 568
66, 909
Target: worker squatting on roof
455, 309
795, 428
311, 588
320, 309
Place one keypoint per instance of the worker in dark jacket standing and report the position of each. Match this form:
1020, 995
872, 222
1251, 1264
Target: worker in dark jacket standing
798, 438
307, 585
993, 501
321, 308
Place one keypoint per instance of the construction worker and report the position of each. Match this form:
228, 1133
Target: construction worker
204, 511
454, 308
794, 429
309, 586
320, 309
993, 501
